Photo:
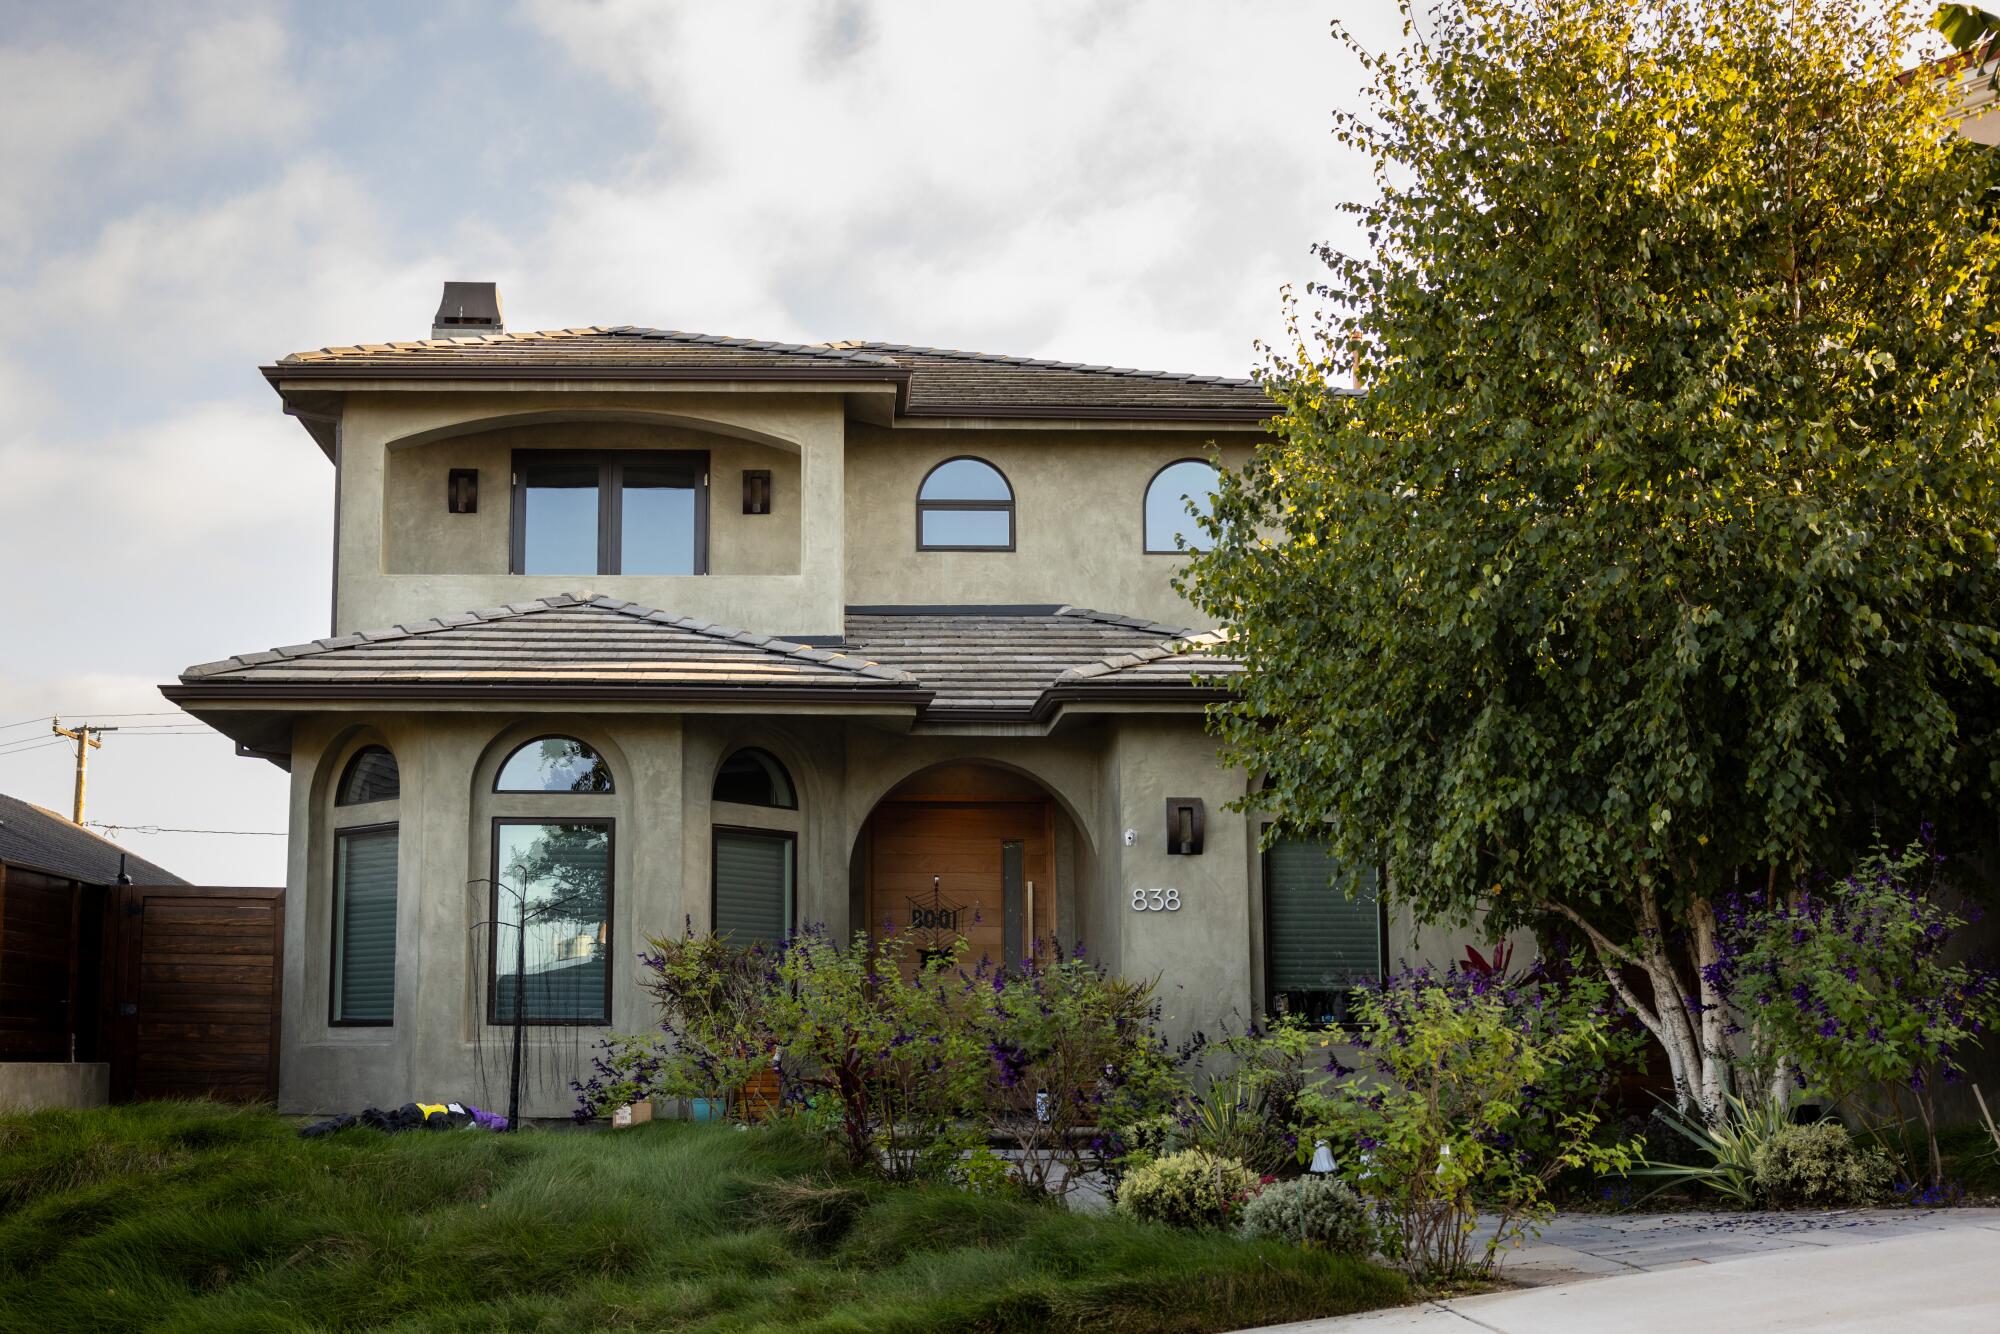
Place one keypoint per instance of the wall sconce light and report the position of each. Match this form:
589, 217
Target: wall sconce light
756, 490
462, 491
1184, 822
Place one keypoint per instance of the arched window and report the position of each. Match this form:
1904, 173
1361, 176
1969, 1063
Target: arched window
1169, 526
753, 777
550, 943
554, 764
371, 776
365, 841
965, 505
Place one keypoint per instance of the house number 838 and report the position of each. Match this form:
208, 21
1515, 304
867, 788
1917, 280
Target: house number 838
1156, 900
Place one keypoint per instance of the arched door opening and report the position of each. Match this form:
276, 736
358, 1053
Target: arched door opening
973, 851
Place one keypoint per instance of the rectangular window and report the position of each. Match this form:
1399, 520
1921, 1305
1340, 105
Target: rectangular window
1319, 943
626, 512
754, 872
364, 925
555, 874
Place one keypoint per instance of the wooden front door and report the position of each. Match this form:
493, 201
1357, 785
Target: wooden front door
991, 860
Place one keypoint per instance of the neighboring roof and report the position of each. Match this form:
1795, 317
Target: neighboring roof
929, 382
573, 645
1002, 662
37, 838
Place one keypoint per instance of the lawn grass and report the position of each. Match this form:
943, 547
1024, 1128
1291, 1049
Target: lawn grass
194, 1216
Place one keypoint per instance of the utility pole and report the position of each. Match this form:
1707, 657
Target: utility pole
86, 740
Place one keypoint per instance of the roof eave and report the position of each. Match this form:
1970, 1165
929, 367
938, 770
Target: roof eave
868, 698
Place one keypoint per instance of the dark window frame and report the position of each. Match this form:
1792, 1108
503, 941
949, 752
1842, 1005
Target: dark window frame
925, 506
1146, 499
333, 1019
1264, 875
611, 465
340, 800
493, 1020
790, 782
791, 836
536, 740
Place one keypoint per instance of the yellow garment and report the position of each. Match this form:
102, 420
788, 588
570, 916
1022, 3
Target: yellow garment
430, 1109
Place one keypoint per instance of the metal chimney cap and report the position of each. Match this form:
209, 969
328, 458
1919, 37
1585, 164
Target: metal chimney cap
466, 309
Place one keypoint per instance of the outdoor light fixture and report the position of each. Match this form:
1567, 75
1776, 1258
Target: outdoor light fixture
1322, 1162
1184, 821
462, 491
756, 490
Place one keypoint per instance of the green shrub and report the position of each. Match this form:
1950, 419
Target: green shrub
1191, 1189
1488, 1088
1320, 1211
1818, 1166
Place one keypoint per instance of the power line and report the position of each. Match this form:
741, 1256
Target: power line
45, 717
161, 829
22, 748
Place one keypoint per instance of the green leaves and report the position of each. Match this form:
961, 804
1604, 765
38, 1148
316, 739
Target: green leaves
1661, 544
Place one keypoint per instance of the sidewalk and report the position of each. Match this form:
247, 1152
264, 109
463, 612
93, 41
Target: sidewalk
1862, 1270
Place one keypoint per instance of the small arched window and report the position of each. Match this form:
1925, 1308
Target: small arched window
965, 504
753, 777
1169, 526
370, 776
554, 764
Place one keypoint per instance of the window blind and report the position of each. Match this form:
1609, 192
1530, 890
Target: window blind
1320, 939
364, 965
753, 887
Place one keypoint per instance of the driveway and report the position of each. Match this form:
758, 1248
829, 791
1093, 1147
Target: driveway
1854, 1270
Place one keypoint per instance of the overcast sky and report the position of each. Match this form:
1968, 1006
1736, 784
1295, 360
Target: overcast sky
191, 191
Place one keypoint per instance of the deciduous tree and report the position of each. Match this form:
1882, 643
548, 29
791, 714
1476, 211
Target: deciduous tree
1659, 552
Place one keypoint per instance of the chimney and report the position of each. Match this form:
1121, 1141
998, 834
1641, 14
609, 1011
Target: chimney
468, 310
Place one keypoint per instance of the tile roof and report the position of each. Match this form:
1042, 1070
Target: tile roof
952, 663
569, 642
1159, 664
34, 837
935, 382
1002, 662
944, 382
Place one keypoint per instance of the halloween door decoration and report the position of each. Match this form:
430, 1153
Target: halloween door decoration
934, 925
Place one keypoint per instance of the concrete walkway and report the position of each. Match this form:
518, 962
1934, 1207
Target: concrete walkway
1857, 1270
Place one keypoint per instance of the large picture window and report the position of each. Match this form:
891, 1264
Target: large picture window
551, 914
965, 505
364, 925
754, 893
622, 512
1324, 932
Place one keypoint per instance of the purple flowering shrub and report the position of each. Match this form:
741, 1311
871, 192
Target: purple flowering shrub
1844, 990
1076, 1054
710, 1039
1476, 1090
888, 1037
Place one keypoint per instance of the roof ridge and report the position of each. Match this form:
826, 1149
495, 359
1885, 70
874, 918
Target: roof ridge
836, 351
334, 350
1128, 622
1185, 643
1045, 363
784, 648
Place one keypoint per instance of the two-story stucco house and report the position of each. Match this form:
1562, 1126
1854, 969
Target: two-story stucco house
636, 630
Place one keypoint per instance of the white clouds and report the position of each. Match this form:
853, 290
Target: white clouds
1129, 182
81, 118
192, 191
